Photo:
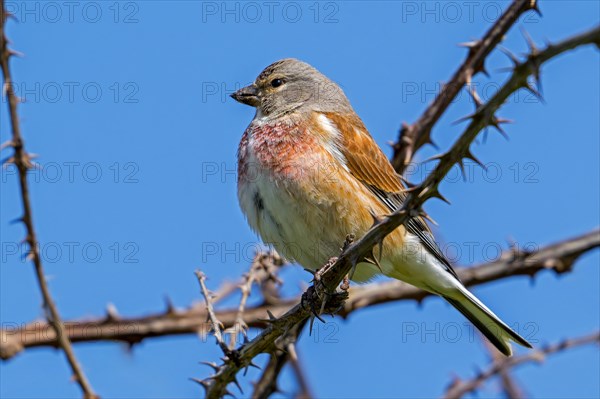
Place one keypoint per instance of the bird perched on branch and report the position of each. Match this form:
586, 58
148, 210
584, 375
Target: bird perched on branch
309, 174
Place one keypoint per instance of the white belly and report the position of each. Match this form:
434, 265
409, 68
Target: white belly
282, 220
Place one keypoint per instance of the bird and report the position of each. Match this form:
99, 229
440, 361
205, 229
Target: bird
310, 174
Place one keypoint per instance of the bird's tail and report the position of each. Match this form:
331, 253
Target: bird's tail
485, 320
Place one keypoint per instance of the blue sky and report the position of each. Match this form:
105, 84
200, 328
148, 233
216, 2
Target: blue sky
128, 108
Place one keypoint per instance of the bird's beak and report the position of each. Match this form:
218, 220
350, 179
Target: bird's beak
247, 95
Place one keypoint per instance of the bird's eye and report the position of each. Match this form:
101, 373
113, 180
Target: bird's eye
276, 82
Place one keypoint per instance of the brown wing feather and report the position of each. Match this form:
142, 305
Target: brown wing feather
368, 163
365, 159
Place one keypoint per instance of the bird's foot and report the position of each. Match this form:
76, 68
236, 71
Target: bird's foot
322, 300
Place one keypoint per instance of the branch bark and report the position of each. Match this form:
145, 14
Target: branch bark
22, 160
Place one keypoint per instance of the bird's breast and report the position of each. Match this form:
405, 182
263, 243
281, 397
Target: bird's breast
287, 189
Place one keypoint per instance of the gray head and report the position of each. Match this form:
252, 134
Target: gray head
291, 85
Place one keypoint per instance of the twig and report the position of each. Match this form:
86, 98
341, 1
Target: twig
22, 160
216, 325
240, 325
510, 387
459, 388
262, 269
305, 392
412, 137
558, 257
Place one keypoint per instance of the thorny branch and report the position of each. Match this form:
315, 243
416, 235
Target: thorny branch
559, 257
458, 388
267, 383
22, 161
412, 137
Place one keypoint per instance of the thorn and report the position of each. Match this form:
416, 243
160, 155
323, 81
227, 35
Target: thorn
534, 91
312, 272
17, 220
469, 155
111, 313
213, 365
204, 383
407, 183
429, 140
482, 69
319, 318
419, 302
370, 258
473, 47
537, 76
310, 326
237, 384
468, 77
470, 45
252, 364
6, 144
461, 165
496, 122
169, 304
474, 96
510, 55
438, 195
426, 216
465, 118
532, 280
271, 316
430, 159
530, 43
15, 53
376, 219
534, 5
505, 69
8, 161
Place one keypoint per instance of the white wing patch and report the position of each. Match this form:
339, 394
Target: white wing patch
332, 145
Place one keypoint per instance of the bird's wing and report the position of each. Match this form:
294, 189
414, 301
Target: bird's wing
367, 163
